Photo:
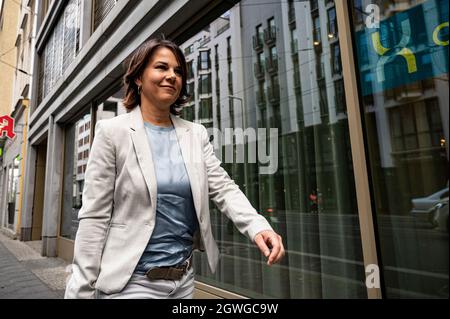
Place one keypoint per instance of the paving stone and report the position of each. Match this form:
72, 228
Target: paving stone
17, 281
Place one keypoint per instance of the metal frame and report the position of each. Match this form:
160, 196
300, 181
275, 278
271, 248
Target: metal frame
363, 195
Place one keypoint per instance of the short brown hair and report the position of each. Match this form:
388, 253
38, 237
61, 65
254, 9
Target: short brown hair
135, 65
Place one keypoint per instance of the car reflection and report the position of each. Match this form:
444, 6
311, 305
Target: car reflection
433, 208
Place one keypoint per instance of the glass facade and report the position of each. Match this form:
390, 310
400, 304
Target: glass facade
266, 80
12, 191
281, 70
78, 138
402, 55
61, 48
76, 154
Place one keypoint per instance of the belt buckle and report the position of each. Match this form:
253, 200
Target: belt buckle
184, 267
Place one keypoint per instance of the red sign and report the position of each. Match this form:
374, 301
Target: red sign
7, 126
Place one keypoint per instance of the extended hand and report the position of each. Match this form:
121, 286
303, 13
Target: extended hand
271, 245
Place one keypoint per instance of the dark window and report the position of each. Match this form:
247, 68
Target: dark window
205, 84
190, 69
332, 24
205, 111
336, 58
340, 96
204, 60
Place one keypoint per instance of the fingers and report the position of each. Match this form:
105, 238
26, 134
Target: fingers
271, 245
282, 251
275, 242
260, 242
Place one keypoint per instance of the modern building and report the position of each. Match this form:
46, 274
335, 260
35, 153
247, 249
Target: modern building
332, 117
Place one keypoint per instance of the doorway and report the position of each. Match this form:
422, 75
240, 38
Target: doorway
39, 191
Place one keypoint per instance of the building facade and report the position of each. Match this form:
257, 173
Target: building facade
331, 116
13, 151
9, 16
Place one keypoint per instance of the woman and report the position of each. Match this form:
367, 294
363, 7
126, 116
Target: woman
145, 201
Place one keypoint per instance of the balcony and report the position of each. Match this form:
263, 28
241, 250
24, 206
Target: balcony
273, 93
270, 36
223, 28
257, 43
260, 99
259, 70
272, 64
204, 41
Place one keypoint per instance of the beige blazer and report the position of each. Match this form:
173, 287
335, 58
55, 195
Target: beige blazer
119, 202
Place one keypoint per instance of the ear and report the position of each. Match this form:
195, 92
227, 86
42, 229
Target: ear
138, 81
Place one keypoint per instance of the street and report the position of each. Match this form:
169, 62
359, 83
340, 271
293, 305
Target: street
25, 274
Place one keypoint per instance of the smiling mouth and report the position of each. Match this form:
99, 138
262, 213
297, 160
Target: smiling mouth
168, 87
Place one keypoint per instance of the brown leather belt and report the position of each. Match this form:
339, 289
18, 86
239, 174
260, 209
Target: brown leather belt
170, 273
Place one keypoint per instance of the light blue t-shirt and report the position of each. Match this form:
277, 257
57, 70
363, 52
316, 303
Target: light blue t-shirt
176, 220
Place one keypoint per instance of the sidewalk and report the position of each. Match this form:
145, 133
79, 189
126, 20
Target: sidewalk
25, 274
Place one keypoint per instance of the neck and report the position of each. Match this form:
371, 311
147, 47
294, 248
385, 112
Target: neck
156, 116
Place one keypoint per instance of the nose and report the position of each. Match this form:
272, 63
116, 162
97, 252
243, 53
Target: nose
171, 75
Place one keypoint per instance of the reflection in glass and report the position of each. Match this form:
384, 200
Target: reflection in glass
78, 138
61, 48
12, 189
403, 75
76, 154
269, 72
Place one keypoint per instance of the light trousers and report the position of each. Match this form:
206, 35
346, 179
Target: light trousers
140, 287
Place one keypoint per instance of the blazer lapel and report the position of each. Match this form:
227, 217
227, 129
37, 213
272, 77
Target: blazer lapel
190, 157
143, 152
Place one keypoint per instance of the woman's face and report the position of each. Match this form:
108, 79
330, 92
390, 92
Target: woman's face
161, 80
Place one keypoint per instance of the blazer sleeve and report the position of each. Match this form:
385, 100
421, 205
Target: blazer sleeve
227, 196
94, 216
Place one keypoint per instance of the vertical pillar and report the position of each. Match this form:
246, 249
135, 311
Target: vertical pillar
53, 189
28, 193
86, 21
357, 143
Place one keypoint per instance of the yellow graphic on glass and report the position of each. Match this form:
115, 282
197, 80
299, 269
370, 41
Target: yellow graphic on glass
436, 34
406, 53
